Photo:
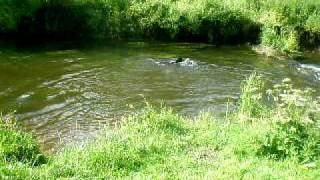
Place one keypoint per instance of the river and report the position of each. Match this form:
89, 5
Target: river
66, 93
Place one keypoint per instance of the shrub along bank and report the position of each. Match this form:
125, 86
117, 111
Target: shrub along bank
285, 25
261, 140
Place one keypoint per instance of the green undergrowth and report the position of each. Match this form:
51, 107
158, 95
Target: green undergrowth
274, 134
287, 26
18, 150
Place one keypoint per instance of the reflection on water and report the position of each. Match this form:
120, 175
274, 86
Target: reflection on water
66, 95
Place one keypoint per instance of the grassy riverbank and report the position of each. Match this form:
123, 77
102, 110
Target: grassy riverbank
261, 140
285, 25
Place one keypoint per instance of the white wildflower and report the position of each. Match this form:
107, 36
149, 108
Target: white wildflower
286, 80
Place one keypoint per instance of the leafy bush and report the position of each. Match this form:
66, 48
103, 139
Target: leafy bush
291, 119
11, 12
295, 122
18, 146
288, 26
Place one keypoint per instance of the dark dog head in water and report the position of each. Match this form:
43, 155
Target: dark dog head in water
176, 60
179, 61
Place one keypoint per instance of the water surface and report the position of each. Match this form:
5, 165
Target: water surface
66, 93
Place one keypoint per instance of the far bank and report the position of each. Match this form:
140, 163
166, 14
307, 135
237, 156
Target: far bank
288, 27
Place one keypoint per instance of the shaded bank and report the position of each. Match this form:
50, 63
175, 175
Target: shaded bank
258, 141
288, 26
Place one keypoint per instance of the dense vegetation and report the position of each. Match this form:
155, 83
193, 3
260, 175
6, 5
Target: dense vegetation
273, 134
286, 25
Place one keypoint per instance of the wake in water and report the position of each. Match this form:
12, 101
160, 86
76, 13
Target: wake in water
310, 69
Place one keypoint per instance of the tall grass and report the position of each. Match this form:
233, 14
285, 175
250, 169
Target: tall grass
19, 151
250, 104
158, 143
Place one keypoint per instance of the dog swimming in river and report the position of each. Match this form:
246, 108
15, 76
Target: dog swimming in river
177, 61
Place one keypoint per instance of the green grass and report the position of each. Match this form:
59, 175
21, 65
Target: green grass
288, 26
19, 151
280, 142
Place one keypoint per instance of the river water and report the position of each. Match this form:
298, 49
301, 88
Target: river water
66, 93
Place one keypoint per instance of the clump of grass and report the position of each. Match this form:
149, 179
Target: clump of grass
17, 146
19, 151
291, 117
295, 120
251, 100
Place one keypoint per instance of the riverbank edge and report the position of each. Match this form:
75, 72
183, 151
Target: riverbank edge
259, 49
277, 54
255, 142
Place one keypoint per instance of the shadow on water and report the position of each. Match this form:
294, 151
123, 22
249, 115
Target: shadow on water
66, 92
